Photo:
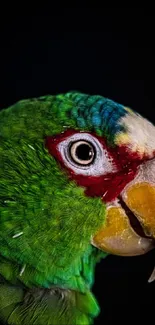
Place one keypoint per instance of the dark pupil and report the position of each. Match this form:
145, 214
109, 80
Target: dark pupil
84, 152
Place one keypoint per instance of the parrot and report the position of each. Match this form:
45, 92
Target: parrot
77, 184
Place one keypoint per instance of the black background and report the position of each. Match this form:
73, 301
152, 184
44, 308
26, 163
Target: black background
106, 51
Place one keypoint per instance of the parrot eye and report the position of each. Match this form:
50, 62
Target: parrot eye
82, 152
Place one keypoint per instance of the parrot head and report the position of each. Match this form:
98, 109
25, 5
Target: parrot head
77, 172
76, 169
110, 153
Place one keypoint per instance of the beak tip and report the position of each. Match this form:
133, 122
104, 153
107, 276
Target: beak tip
152, 276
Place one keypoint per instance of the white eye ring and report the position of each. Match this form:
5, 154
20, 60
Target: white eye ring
100, 164
84, 149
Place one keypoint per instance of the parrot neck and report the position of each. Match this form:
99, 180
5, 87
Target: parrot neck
79, 275
69, 301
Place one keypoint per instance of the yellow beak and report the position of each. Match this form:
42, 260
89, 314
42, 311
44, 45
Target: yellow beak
118, 235
140, 198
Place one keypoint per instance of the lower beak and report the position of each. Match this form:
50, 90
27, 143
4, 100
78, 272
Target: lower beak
118, 235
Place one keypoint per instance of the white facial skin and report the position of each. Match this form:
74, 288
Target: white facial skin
102, 163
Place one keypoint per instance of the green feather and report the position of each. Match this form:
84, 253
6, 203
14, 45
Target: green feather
46, 222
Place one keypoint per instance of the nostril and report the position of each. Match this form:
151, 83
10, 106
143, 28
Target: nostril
149, 157
152, 158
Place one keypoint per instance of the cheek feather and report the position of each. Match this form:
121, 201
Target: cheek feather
107, 187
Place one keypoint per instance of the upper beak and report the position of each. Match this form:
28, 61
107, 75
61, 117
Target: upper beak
120, 235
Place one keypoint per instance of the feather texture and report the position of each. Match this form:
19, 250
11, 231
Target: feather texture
47, 263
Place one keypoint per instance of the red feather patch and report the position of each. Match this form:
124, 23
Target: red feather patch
108, 186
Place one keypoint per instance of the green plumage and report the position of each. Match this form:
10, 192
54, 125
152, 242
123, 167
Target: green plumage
46, 222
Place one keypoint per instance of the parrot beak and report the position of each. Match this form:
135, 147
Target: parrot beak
129, 228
